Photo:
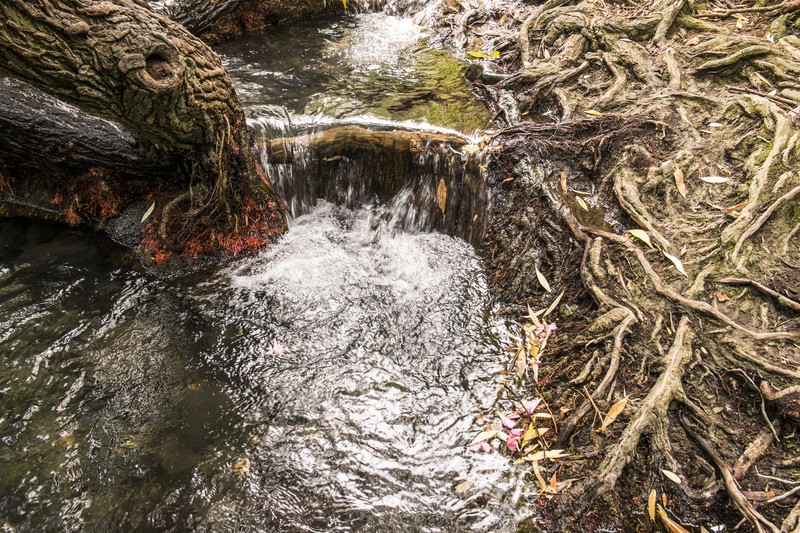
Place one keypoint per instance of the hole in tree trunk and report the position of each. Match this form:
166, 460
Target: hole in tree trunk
158, 67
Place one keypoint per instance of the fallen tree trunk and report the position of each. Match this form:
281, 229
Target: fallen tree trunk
44, 132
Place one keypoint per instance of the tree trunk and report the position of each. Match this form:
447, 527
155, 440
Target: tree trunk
120, 60
227, 19
44, 132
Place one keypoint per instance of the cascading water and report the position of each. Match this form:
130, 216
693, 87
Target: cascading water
330, 383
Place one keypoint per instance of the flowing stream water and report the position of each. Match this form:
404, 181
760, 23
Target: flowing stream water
330, 383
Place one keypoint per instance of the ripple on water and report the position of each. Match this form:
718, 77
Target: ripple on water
126, 401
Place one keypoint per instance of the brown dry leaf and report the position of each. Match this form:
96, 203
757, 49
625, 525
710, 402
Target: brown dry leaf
441, 195
241, 467
670, 525
553, 486
614, 412
664, 499
679, 181
736, 207
564, 180
651, 505
721, 296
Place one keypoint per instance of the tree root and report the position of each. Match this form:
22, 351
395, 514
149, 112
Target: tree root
653, 407
673, 295
738, 499
762, 219
788, 303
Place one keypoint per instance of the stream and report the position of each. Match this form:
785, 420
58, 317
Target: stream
329, 383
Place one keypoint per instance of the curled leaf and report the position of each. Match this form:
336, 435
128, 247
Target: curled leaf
642, 236
677, 262
679, 181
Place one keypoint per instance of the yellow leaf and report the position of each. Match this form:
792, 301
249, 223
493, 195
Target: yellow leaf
614, 412
651, 505
344, 3
740, 22
672, 476
241, 466
441, 195
679, 181
669, 524
464, 487
553, 486
582, 203
484, 435
533, 432
594, 113
495, 54
677, 262
542, 280
642, 236
477, 55
507, 180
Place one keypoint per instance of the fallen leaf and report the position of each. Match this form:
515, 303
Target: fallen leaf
564, 180
669, 524
533, 432
542, 280
679, 181
642, 236
464, 486
471, 148
546, 454
241, 467
594, 113
553, 486
507, 180
521, 363
582, 203
149, 212
740, 22
553, 305
651, 505
534, 317
677, 262
614, 412
721, 296
716, 125
484, 435
736, 207
441, 195
672, 476
714, 179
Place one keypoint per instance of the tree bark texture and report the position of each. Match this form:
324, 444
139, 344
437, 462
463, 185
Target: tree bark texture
121, 61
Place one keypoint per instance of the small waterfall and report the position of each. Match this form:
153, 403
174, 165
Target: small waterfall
405, 172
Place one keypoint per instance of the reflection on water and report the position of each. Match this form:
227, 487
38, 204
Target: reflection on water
329, 383
371, 64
